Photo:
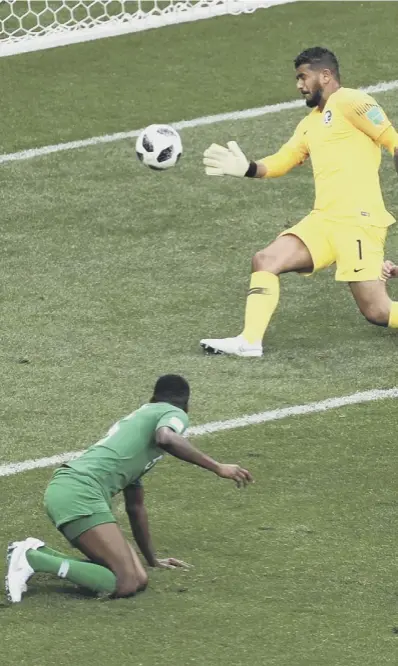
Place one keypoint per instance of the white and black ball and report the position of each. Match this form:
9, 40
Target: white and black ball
159, 147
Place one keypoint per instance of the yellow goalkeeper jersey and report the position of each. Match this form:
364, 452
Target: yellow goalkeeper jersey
344, 143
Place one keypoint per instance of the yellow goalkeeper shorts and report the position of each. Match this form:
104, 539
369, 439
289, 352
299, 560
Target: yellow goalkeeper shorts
357, 251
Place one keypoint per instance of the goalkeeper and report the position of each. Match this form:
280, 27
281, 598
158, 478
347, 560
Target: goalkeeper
342, 135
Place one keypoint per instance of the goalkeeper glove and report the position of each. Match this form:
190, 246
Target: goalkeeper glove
231, 161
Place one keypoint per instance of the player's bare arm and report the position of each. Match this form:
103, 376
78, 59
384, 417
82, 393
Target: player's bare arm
138, 518
181, 448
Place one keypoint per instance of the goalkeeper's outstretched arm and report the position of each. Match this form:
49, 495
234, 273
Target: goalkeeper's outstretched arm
231, 161
389, 140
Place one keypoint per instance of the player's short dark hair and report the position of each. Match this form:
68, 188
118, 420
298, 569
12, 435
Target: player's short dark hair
319, 58
173, 389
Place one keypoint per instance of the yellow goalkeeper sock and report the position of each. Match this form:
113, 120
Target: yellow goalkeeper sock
393, 319
261, 302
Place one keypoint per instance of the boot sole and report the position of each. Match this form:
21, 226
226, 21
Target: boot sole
208, 349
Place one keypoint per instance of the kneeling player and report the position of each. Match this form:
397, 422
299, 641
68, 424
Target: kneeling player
78, 500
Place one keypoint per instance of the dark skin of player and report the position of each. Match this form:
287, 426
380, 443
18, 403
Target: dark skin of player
106, 545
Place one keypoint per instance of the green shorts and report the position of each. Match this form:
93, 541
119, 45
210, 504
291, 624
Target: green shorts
75, 506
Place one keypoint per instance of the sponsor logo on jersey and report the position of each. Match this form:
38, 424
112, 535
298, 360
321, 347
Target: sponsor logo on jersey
327, 118
375, 115
151, 464
176, 424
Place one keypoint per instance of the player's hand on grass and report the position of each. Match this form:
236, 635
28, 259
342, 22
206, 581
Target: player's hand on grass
241, 476
221, 161
389, 270
172, 563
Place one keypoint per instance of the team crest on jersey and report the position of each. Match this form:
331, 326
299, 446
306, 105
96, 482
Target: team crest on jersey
327, 118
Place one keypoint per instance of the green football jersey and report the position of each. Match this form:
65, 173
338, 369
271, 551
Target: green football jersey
129, 449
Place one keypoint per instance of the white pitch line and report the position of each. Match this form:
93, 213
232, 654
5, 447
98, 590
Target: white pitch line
383, 86
231, 424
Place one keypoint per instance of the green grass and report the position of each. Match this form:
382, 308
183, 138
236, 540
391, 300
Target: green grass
188, 70
298, 569
111, 274
125, 277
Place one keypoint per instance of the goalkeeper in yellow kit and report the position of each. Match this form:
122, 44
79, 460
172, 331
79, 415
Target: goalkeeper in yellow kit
342, 135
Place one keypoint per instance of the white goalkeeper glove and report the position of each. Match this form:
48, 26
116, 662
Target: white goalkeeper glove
220, 161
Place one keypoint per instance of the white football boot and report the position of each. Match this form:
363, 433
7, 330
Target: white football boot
19, 571
236, 346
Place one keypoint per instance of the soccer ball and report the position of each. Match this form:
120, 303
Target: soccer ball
159, 147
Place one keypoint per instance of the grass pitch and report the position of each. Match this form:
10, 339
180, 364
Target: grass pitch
112, 273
